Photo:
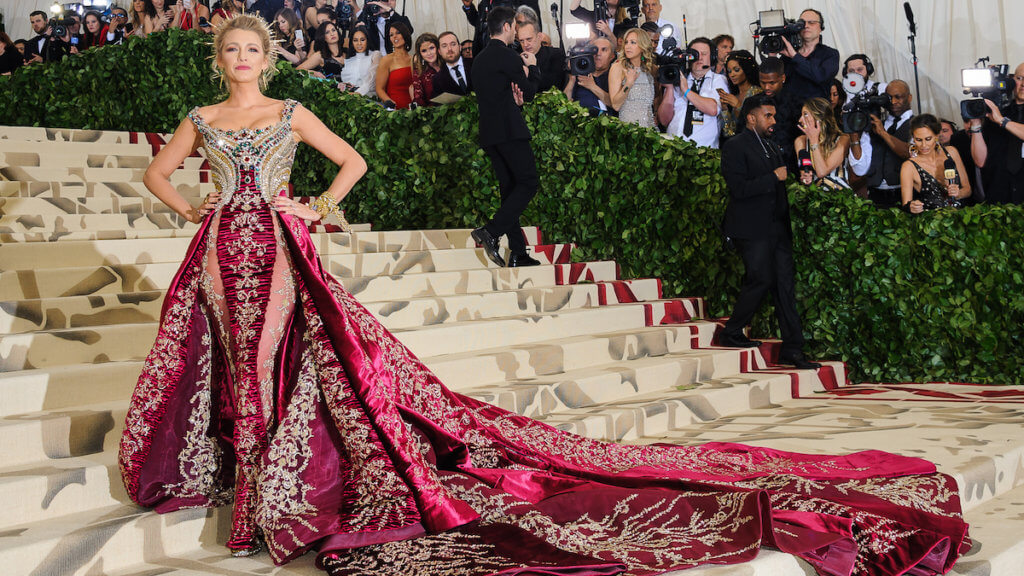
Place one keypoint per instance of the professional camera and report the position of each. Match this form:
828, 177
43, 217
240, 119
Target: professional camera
772, 27
992, 83
582, 60
673, 62
59, 26
343, 13
862, 104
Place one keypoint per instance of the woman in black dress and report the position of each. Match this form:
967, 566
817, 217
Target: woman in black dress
924, 181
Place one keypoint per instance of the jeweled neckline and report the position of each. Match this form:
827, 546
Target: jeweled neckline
285, 117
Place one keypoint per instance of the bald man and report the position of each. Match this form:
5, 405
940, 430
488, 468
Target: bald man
652, 13
889, 147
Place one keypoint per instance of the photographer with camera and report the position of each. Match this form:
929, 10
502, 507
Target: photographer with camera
695, 101
861, 65
811, 67
118, 27
757, 223
997, 146
591, 90
379, 16
606, 16
550, 60
888, 146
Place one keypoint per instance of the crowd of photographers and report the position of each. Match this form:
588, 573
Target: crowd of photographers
835, 123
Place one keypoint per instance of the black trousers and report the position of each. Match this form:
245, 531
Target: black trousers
768, 265
516, 168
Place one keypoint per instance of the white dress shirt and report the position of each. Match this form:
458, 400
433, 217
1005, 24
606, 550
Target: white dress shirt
705, 126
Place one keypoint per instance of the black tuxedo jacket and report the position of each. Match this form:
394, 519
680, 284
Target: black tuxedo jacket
494, 71
885, 164
373, 39
757, 200
551, 62
443, 81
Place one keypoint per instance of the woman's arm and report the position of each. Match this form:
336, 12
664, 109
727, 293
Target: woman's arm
908, 178
824, 166
368, 83
315, 60
615, 87
157, 178
309, 19
312, 131
382, 78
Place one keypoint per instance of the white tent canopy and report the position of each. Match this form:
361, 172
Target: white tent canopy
952, 34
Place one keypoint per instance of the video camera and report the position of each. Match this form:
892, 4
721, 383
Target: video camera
582, 55
344, 15
862, 105
59, 27
772, 27
985, 82
673, 62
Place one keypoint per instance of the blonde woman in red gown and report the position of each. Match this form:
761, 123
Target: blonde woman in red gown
270, 387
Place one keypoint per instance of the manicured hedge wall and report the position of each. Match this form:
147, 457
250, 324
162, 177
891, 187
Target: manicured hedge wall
934, 297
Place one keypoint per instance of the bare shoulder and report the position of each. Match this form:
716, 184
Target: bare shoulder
953, 152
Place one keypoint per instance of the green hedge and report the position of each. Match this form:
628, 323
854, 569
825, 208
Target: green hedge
934, 297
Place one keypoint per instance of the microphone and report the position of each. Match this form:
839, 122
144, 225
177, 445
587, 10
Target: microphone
949, 171
910, 17
804, 162
952, 178
554, 10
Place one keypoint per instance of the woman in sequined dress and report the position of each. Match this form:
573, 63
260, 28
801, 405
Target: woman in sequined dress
923, 182
631, 80
271, 388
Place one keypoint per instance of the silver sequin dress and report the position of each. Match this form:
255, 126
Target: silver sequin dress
639, 105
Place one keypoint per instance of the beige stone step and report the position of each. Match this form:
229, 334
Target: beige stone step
59, 224
116, 279
58, 206
24, 316
111, 343
81, 174
75, 189
66, 387
37, 437
61, 135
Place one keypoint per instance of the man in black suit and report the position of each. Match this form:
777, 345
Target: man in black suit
384, 18
477, 16
757, 222
35, 48
455, 76
773, 79
502, 82
550, 60
889, 146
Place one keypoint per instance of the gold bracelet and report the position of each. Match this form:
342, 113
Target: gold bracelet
326, 205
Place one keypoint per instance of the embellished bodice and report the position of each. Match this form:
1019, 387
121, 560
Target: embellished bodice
262, 157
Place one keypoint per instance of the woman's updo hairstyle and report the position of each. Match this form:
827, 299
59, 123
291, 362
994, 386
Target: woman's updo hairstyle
249, 23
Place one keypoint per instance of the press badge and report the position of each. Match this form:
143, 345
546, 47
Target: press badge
698, 117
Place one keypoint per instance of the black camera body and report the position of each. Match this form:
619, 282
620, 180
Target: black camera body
59, 27
674, 62
343, 12
858, 111
582, 60
992, 83
772, 27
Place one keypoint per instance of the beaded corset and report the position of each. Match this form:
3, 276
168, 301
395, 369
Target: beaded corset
265, 153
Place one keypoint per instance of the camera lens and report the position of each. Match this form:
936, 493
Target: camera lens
771, 44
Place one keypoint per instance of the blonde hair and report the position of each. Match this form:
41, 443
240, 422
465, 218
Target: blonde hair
821, 110
643, 39
250, 23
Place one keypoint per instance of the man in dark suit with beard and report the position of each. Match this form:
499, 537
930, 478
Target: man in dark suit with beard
455, 75
757, 222
478, 14
502, 83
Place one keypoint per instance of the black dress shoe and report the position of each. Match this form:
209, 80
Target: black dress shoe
798, 361
489, 244
524, 259
736, 341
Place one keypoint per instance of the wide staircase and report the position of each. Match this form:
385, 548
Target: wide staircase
87, 254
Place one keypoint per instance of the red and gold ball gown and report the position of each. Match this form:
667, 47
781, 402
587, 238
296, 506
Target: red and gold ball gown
271, 387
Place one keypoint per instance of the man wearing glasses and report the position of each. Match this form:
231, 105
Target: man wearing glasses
118, 25
810, 70
997, 146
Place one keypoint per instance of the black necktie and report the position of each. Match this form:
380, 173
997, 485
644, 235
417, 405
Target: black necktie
690, 109
458, 76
